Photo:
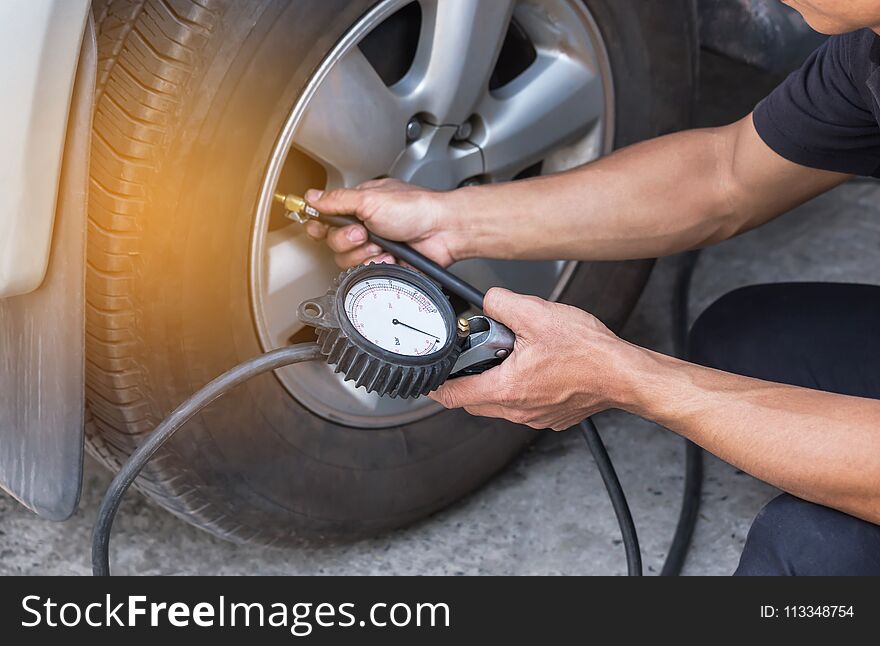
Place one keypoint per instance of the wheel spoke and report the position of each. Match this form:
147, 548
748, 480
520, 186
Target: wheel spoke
458, 48
353, 125
296, 269
556, 100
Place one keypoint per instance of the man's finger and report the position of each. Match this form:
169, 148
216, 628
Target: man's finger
344, 201
486, 410
316, 230
464, 391
385, 258
344, 239
516, 311
313, 195
358, 256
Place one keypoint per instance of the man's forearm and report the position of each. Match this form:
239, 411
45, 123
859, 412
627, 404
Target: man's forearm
653, 199
820, 446
629, 205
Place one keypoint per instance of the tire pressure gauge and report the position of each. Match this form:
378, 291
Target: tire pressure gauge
393, 331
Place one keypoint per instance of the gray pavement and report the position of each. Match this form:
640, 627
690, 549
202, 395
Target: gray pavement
546, 514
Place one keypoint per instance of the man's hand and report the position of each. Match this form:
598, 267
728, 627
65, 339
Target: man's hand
562, 370
393, 210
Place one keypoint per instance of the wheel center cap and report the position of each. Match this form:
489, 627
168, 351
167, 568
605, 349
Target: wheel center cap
436, 160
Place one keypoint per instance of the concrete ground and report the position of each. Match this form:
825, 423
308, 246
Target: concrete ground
548, 513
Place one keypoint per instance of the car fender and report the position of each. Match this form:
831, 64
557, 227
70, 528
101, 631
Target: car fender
39, 46
44, 179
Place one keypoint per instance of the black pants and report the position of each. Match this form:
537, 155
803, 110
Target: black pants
817, 335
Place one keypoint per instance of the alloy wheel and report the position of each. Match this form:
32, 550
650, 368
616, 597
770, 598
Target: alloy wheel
440, 94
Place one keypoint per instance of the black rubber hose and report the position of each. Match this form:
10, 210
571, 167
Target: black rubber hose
690, 509
453, 284
618, 499
182, 414
681, 301
693, 470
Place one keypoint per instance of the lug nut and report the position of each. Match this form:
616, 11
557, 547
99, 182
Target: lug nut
464, 131
413, 129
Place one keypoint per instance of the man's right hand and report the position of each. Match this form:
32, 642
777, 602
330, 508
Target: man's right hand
391, 209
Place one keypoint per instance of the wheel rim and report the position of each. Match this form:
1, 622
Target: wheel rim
534, 94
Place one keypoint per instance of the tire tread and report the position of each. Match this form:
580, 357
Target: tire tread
148, 51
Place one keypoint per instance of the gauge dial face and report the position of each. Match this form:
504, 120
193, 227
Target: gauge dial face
396, 316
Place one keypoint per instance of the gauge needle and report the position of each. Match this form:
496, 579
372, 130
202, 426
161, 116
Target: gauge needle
396, 322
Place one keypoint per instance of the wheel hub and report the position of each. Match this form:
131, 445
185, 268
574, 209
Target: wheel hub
438, 160
542, 106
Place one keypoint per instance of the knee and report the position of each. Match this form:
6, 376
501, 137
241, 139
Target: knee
739, 330
716, 332
768, 545
793, 537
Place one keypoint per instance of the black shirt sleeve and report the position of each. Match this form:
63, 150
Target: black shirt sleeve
824, 115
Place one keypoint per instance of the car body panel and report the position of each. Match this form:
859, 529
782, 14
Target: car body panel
42, 336
39, 48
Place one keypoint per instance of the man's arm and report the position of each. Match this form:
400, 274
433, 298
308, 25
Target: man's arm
566, 366
820, 446
652, 199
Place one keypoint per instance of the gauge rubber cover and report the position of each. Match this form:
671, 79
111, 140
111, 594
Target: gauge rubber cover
385, 373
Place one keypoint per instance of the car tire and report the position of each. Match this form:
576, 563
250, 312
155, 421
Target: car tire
190, 98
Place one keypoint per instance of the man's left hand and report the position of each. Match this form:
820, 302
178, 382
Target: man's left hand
564, 366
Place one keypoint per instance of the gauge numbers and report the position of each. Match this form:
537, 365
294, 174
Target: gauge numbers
396, 316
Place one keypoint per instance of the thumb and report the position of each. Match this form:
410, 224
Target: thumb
341, 201
516, 311
460, 392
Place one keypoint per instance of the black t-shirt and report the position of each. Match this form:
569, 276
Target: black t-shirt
827, 114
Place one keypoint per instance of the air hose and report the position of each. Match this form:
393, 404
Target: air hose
170, 425
693, 454
616, 495
308, 352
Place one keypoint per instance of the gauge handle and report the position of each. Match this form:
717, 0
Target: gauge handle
450, 282
487, 345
